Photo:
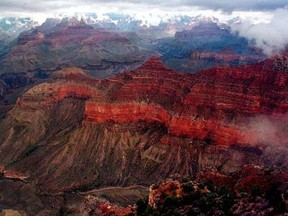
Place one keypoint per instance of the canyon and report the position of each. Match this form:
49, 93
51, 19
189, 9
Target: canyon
99, 112
74, 132
58, 44
155, 118
207, 45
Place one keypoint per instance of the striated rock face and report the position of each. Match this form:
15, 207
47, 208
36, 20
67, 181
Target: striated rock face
205, 28
207, 45
227, 57
209, 103
78, 132
68, 43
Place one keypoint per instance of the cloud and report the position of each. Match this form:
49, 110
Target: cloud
269, 34
35, 6
271, 136
269, 130
228, 5
224, 5
272, 36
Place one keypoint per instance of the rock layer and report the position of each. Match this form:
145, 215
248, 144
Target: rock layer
207, 45
78, 132
70, 43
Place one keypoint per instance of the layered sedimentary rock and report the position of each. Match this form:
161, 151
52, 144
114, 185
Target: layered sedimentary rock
55, 45
78, 132
226, 57
207, 45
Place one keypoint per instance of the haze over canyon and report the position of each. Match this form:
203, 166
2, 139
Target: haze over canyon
181, 110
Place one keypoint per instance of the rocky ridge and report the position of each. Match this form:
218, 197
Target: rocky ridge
207, 45
56, 44
149, 122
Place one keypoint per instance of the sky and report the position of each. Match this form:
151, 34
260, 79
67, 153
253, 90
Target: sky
25, 7
265, 21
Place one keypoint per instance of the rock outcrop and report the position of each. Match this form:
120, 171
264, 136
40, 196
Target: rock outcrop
262, 192
71, 43
207, 45
79, 132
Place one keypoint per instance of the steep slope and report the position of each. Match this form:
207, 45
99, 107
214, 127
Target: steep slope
71, 42
78, 132
204, 46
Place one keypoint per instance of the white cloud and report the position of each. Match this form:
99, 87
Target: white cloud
64, 5
269, 133
265, 21
272, 36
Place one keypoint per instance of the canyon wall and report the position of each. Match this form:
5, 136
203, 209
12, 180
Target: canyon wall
79, 132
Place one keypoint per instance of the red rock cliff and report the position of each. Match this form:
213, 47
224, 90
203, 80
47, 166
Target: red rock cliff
144, 125
208, 105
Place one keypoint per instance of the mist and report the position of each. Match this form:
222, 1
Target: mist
271, 37
270, 135
269, 130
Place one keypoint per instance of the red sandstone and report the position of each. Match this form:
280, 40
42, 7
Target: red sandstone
208, 105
